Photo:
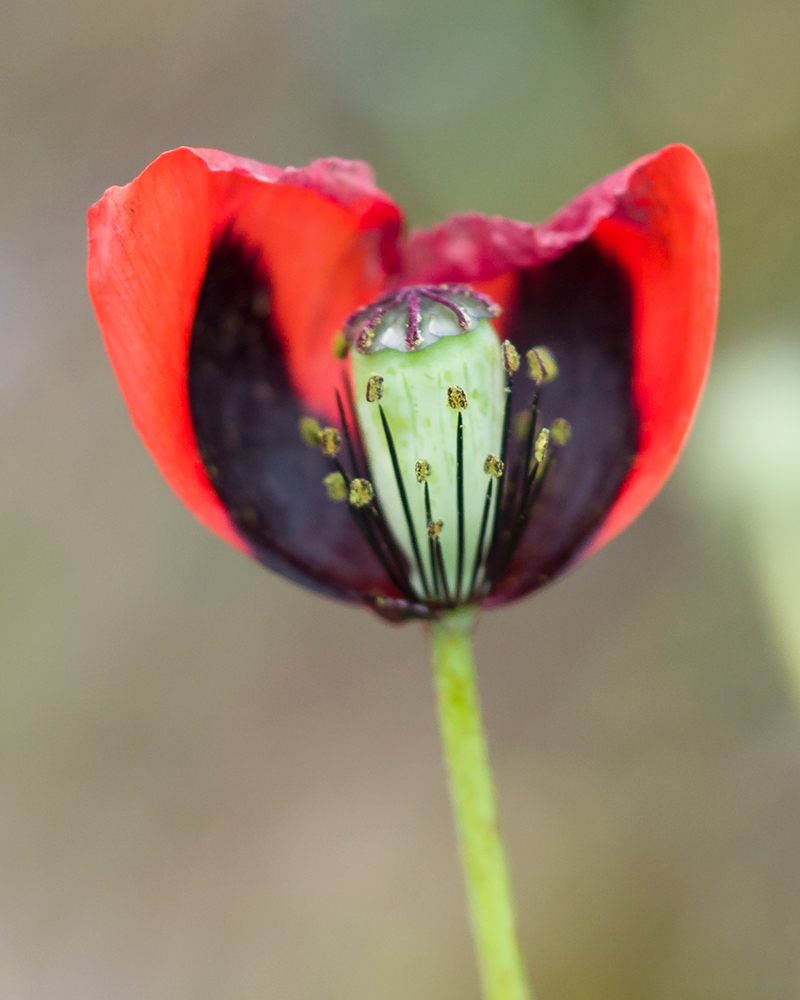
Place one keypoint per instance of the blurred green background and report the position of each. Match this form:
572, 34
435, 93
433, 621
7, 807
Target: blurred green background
215, 785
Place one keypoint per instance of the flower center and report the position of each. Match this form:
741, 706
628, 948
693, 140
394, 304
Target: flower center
416, 317
438, 416
438, 502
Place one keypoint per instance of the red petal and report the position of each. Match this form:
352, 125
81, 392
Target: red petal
328, 237
665, 235
656, 219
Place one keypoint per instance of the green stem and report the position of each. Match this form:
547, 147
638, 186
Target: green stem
473, 799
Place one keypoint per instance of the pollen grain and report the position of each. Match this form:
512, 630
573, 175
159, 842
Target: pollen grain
309, 431
511, 360
493, 466
542, 366
456, 398
541, 446
361, 492
374, 388
336, 486
330, 441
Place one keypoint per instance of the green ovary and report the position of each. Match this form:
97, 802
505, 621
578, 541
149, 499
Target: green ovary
424, 427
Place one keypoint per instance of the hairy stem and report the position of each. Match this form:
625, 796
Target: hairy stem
473, 799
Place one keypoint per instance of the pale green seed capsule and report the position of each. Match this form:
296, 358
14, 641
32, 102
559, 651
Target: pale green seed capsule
425, 392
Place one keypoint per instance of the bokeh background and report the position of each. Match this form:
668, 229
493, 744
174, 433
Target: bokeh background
215, 785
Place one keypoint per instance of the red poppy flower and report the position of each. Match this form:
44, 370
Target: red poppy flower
223, 286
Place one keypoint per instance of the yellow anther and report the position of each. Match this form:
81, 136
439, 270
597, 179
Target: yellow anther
560, 431
435, 528
361, 492
542, 366
340, 346
493, 466
422, 470
309, 431
456, 398
511, 360
541, 446
330, 441
374, 388
336, 486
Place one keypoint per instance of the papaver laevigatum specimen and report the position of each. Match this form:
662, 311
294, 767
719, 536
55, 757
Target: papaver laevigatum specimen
426, 424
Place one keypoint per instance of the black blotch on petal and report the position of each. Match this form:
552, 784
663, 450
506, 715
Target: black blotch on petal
579, 306
245, 416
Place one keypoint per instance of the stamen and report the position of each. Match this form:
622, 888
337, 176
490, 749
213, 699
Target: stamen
504, 488
371, 524
358, 445
516, 488
460, 498
374, 388
542, 444
431, 537
336, 486
370, 519
309, 431
493, 466
330, 441
434, 528
361, 492
347, 436
560, 431
401, 489
531, 491
476, 562
537, 480
542, 366
422, 470
367, 526
440, 569
511, 359
395, 563
534, 411
457, 398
